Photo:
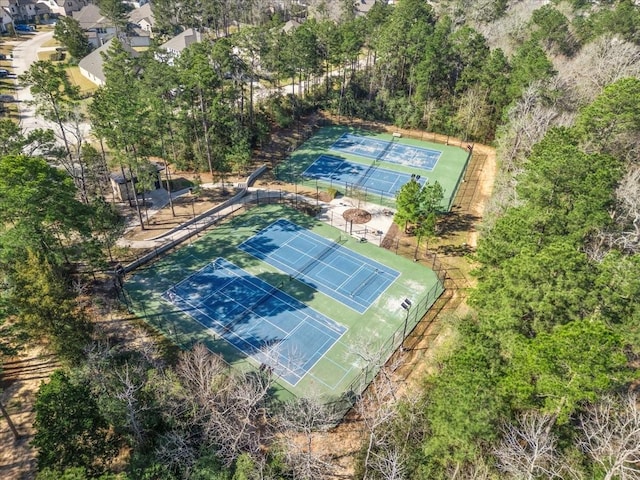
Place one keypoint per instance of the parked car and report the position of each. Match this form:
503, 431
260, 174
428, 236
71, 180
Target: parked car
7, 98
24, 28
4, 73
3, 56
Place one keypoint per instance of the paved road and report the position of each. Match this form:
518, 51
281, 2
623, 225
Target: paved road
24, 54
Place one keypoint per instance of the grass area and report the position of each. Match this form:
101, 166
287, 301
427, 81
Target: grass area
46, 56
52, 42
86, 85
448, 170
344, 368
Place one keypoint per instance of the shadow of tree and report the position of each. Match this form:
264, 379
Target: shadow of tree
454, 223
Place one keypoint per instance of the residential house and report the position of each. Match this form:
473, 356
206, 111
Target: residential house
71, 6
91, 65
49, 8
99, 29
5, 19
136, 3
22, 11
142, 17
177, 44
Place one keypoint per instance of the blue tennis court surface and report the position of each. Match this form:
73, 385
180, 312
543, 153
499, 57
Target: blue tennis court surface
260, 320
334, 169
391, 152
342, 274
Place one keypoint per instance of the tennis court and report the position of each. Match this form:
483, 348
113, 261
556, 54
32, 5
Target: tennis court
275, 329
258, 316
337, 170
391, 152
346, 276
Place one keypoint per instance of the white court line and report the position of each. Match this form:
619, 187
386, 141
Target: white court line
304, 318
226, 328
344, 251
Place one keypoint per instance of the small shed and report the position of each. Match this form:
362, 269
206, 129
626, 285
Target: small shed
121, 182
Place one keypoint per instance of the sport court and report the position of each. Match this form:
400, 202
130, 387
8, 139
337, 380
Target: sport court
303, 334
333, 169
382, 150
442, 163
261, 321
352, 279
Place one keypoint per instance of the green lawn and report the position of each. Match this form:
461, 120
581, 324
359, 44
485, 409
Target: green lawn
343, 369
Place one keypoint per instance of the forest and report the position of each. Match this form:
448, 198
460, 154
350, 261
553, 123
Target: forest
539, 378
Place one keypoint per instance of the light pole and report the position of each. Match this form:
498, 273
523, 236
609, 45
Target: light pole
406, 305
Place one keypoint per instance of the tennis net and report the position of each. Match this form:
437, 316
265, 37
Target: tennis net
315, 260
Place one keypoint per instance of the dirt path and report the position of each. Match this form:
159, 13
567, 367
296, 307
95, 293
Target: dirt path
21, 378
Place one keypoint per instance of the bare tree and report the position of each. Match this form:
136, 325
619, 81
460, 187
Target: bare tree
529, 448
610, 436
374, 359
528, 122
628, 208
226, 408
303, 420
504, 32
378, 409
389, 463
201, 374
177, 451
476, 469
473, 113
131, 383
240, 423
626, 237
598, 64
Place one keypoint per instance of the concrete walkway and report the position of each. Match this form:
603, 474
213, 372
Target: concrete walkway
331, 213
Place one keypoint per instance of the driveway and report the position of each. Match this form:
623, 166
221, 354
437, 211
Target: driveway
25, 53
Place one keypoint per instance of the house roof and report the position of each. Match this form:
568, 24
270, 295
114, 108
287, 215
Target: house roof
90, 17
142, 13
92, 63
182, 40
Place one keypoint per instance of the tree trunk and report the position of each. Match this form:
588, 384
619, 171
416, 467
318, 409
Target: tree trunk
126, 184
251, 100
135, 198
166, 173
205, 128
5, 414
